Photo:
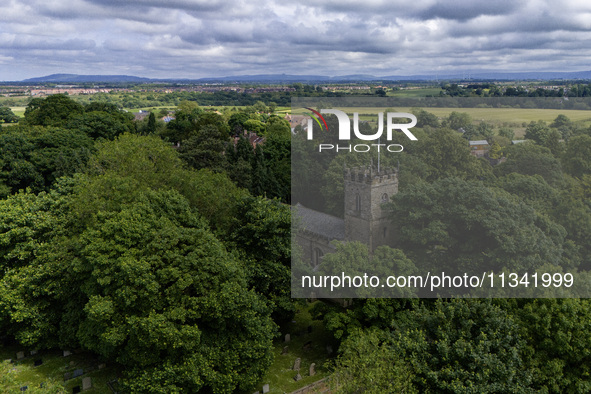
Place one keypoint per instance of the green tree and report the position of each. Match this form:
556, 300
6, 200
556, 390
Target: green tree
448, 154
205, 149
368, 364
462, 346
36, 157
54, 110
577, 157
458, 120
151, 127
163, 291
7, 116
530, 159
507, 133
558, 341
425, 118
261, 232
479, 227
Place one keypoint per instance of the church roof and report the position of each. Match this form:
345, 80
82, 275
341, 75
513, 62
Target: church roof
321, 224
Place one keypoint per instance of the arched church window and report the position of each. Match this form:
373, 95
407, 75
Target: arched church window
357, 203
384, 197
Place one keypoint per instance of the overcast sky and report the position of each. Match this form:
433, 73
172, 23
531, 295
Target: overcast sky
201, 38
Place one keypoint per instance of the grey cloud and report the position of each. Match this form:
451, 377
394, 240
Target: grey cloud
463, 10
193, 38
20, 42
141, 5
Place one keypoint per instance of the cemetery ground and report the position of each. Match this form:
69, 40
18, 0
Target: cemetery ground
309, 347
309, 342
54, 368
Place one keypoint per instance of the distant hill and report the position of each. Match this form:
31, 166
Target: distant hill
62, 78
289, 78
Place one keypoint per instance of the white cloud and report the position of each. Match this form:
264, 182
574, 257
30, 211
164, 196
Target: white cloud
197, 38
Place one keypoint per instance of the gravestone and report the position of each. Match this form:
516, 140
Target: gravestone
298, 377
78, 372
329, 349
86, 383
266, 388
67, 353
312, 369
76, 389
72, 363
68, 376
285, 350
20, 355
101, 366
287, 337
38, 362
296, 364
33, 352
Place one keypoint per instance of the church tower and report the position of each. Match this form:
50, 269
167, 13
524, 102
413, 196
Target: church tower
366, 190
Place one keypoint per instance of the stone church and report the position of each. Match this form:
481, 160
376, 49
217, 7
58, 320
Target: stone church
365, 220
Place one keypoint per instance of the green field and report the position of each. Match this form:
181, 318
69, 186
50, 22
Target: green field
18, 111
422, 92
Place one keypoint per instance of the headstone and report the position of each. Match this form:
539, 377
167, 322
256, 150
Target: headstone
67, 376
76, 389
8, 360
296, 364
287, 337
298, 377
285, 350
310, 329
86, 383
78, 372
72, 363
329, 349
312, 369
38, 362
266, 388
20, 355
33, 352
67, 353
101, 366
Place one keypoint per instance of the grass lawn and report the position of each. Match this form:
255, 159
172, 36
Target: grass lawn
18, 111
55, 366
